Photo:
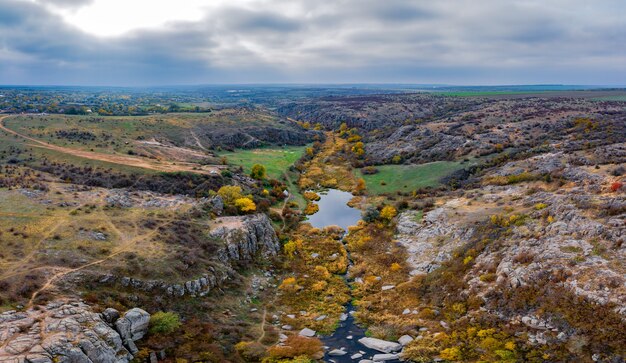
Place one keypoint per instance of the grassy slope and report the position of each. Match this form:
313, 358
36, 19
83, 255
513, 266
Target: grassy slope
125, 130
7, 142
408, 177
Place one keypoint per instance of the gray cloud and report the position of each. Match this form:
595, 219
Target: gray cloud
447, 41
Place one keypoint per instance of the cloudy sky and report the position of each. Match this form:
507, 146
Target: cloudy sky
163, 42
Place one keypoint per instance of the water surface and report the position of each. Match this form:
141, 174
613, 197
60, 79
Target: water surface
334, 210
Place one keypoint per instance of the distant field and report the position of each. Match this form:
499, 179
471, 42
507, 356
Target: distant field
602, 95
408, 177
275, 160
488, 93
621, 98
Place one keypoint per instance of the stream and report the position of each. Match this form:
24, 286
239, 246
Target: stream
333, 210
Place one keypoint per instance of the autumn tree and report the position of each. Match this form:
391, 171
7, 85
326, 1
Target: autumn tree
360, 186
388, 212
230, 193
359, 148
245, 204
258, 172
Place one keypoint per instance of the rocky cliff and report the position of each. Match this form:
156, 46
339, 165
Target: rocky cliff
241, 240
70, 332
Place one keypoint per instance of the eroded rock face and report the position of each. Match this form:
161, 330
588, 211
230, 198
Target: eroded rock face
432, 239
69, 332
243, 238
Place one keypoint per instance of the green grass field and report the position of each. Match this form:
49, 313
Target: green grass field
407, 177
276, 160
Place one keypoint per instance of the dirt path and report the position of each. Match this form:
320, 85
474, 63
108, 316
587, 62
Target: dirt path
157, 165
195, 137
125, 247
15, 266
262, 325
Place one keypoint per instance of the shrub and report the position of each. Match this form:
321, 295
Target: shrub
311, 208
164, 323
616, 186
296, 346
369, 170
452, 354
388, 212
250, 351
258, 172
245, 205
370, 214
290, 248
360, 186
229, 194
311, 196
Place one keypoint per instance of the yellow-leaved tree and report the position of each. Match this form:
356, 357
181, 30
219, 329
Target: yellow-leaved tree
258, 172
229, 194
388, 212
245, 205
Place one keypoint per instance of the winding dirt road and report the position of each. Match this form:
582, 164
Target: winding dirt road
158, 165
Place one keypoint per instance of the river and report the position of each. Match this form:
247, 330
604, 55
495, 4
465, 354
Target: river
334, 210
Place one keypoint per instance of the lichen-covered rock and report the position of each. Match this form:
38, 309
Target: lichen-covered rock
214, 205
68, 332
133, 325
245, 236
380, 345
431, 240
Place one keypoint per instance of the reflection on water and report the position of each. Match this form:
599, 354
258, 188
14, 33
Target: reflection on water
334, 210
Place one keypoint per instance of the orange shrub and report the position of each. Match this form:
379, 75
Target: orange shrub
296, 346
616, 186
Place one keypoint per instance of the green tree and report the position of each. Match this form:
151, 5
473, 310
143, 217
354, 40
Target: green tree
164, 323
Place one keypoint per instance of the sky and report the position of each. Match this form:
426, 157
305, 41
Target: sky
163, 42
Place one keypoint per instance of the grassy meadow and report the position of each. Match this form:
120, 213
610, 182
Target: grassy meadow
393, 178
275, 160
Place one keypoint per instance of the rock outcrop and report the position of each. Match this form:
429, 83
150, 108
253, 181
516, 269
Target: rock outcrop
70, 332
380, 345
243, 238
431, 240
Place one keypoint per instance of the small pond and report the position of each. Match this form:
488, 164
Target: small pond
334, 210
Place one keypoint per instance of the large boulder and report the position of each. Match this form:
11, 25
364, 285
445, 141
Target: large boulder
380, 345
133, 325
